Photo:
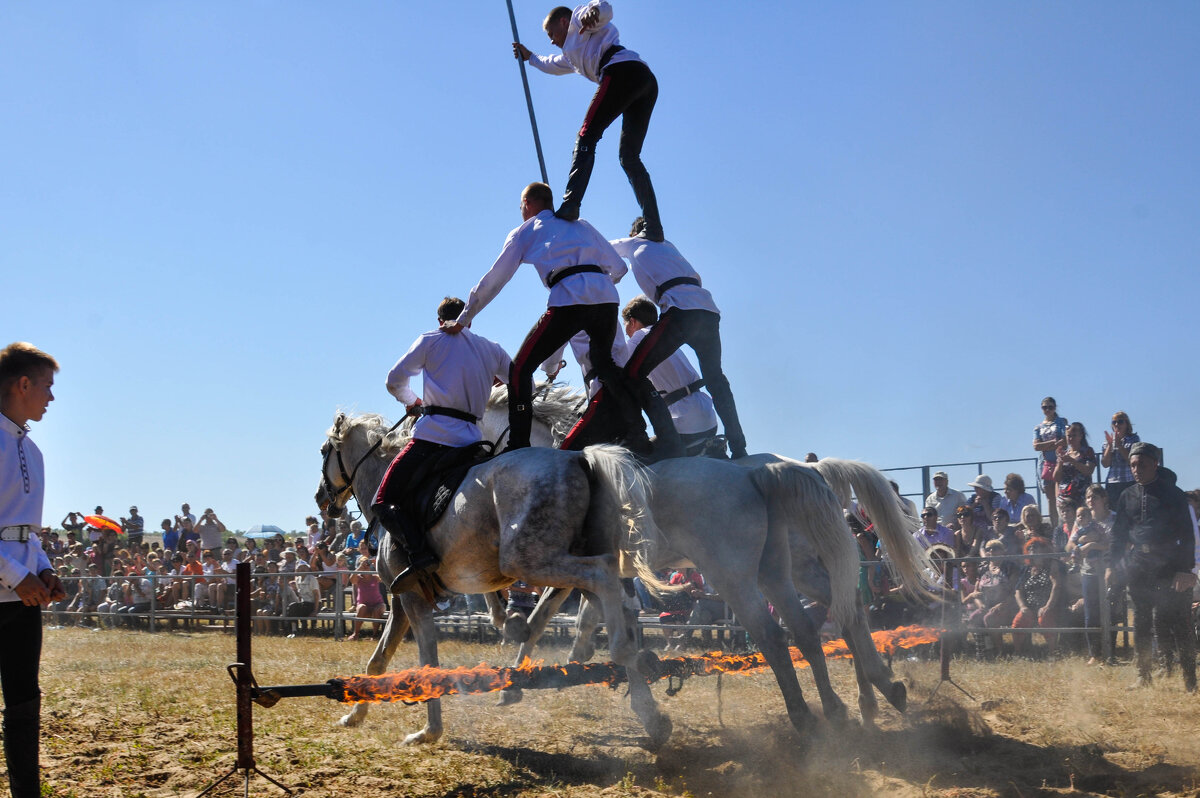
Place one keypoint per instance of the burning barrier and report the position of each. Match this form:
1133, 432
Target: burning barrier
426, 683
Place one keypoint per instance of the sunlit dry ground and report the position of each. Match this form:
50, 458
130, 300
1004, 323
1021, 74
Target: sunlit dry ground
133, 714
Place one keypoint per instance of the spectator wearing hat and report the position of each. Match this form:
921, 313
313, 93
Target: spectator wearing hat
1115, 455
985, 500
1153, 544
134, 527
931, 532
1046, 438
944, 499
95, 533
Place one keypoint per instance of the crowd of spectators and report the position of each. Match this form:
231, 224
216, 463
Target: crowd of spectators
112, 573
1049, 573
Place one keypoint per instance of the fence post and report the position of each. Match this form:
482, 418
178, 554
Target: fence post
153, 599
1106, 643
925, 489
339, 604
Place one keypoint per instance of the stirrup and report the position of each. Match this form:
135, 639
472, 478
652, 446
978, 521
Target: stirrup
412, 577
714, 447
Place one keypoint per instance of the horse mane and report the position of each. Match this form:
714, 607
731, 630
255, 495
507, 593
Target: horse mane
374, 426
556, 406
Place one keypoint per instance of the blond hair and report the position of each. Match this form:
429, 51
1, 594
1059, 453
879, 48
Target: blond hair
22, 359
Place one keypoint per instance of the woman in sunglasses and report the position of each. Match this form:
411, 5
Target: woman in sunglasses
1115, 456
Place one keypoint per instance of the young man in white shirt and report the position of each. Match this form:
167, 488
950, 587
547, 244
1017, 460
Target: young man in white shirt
674, 378
457, 371
688, 316
627, 88
27, 580
580, 268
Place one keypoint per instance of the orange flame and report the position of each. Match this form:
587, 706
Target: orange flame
427, 683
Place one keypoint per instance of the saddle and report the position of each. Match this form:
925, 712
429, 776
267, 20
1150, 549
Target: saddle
437, 479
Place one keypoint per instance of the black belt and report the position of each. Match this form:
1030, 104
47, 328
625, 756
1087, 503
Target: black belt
19, 533
608, 54
557, 277
435, 410
683, 393
659, 290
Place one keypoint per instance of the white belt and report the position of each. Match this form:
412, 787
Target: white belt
20, 533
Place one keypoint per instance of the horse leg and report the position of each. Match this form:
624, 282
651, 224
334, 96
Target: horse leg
599, 576
585, 627
420, 612
393, 632
495, 605
624, 651
751, 611
775, 578
857, 634
552, 598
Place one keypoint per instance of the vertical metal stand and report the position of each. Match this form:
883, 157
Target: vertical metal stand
243, 677
537, 142
944, 650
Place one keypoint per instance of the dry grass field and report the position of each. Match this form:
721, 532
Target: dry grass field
134, 714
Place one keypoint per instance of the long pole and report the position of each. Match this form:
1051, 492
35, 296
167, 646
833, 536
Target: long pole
537, 142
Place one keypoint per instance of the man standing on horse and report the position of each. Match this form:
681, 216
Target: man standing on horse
689, 316
676, 381
458, 373
627, 88
580, 268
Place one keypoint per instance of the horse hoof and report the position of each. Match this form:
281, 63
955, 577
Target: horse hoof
349, 721
581, 654
648, 663
516, 629
898, 696
837, 714
423, 737
510, 696
659, 730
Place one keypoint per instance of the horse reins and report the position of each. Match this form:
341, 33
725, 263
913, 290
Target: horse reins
349, 478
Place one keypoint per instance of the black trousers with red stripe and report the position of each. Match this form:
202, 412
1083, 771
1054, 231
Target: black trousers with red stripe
21, 631
701, 330
553, 329
629, 90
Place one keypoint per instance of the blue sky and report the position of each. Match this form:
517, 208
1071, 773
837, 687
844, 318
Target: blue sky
227, 220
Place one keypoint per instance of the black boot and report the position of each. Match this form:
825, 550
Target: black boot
667, 443
412, 544
643, 190
21, 733
582, 161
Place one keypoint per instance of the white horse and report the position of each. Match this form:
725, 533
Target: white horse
709, 517
544, 516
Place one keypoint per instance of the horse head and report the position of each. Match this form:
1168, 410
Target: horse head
336, 486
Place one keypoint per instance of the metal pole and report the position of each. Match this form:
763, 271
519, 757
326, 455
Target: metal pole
537, 142
1106, 635
339, 604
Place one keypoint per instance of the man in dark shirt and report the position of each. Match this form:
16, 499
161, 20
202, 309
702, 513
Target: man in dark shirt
1152, 540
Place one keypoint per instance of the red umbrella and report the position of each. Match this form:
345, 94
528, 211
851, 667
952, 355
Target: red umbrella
102, 522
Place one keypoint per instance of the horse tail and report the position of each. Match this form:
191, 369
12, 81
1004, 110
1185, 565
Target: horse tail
893, 523
621, 483
805, 505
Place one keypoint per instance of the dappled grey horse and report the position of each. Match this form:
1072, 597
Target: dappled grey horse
544, 516
779, 530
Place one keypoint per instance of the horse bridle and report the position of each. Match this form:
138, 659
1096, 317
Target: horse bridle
333, 492
327, 483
